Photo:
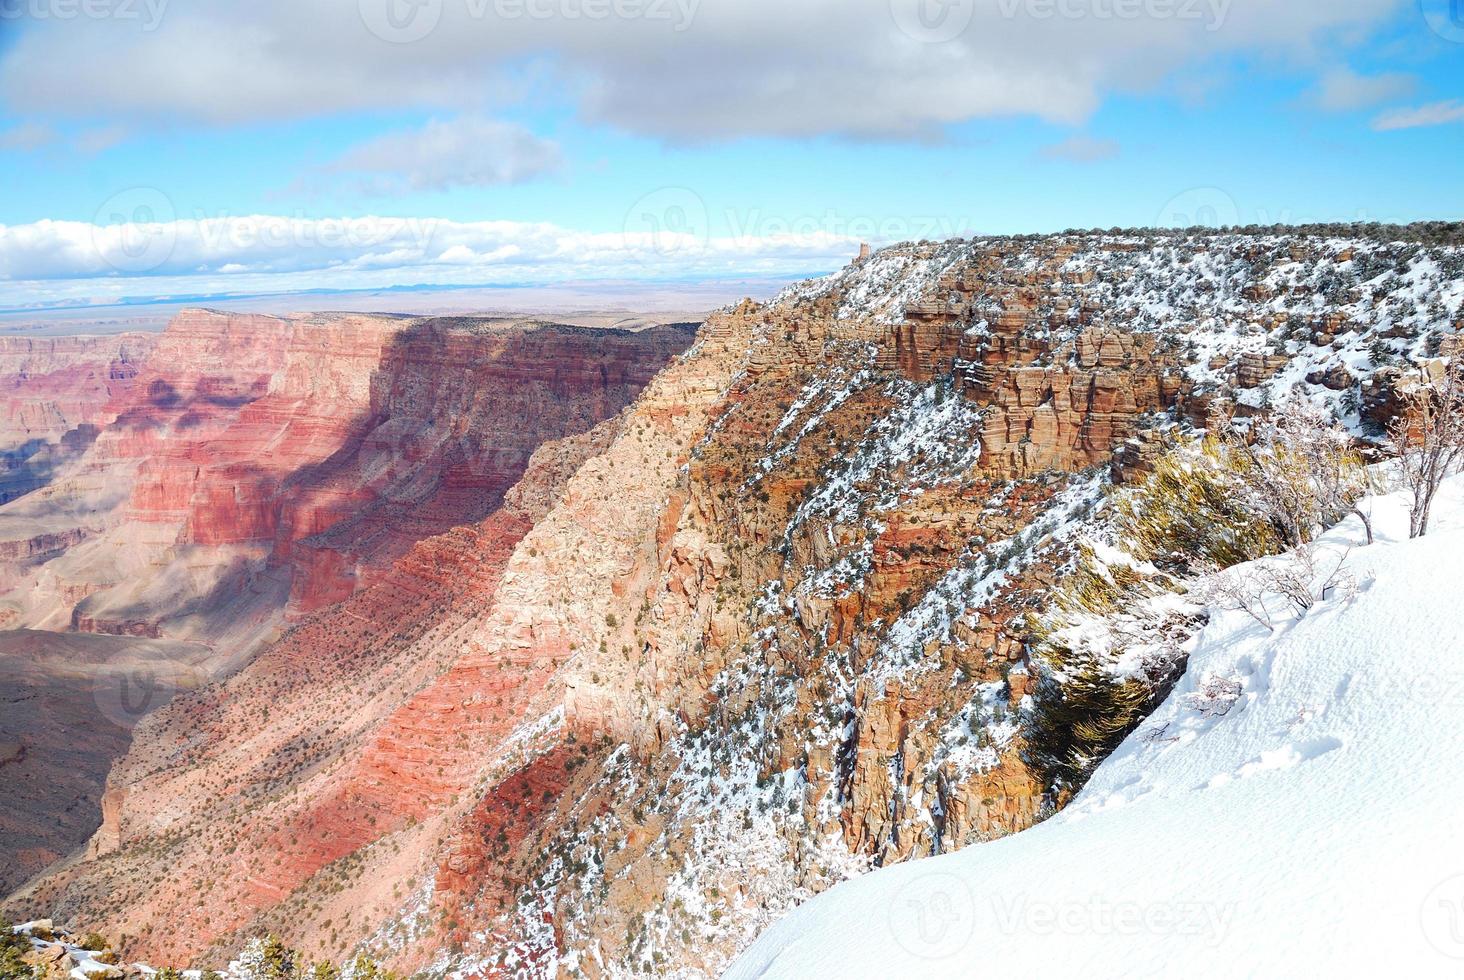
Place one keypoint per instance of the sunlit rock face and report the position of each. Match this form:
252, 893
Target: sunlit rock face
205, 488
247, 466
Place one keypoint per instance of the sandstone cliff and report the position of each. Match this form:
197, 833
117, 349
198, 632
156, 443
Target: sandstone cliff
251, 470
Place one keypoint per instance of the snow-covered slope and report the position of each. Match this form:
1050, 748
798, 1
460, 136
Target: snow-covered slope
1292, 809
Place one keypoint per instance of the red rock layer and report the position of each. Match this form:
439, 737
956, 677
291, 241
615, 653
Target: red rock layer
360, 711
55, 395
319, 448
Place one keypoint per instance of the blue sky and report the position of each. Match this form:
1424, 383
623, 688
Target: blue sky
153, 147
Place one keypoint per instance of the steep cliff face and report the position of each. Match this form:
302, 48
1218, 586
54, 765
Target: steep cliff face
258, 469
759, 633
256, 458
813, 654
458, 409
168, 514
56, 393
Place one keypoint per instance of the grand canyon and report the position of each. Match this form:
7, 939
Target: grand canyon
739, 489
514, 647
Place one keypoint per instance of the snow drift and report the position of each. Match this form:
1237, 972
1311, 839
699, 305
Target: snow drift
1293, 806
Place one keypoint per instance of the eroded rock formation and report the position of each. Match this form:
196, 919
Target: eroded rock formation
251, 470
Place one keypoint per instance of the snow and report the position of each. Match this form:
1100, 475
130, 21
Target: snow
89, 962
1291, 809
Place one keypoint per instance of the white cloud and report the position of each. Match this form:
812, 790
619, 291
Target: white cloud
51, 261
682, 70
1081, 149
465, 152
27, 136
93, 141
1433, 114
1342, 89
32, 136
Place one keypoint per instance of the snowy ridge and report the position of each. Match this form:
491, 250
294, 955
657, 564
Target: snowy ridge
882, 286
1223, 837
1329, 304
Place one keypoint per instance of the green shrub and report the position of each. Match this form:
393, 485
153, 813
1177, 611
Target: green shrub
1081, 718
12, 947
1194, 510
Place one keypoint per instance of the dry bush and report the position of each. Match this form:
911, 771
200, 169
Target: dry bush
1223, 500
1297, 580
1428, 439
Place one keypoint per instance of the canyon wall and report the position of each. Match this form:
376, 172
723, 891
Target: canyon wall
245, 472
255, 460
761, 631
56, 393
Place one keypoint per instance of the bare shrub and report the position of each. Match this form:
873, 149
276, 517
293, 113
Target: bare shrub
1296, 580
1428, 439
1317, 471
1215, 696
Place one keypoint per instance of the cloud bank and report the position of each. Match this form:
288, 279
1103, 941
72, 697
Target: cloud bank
678, 70
51, 262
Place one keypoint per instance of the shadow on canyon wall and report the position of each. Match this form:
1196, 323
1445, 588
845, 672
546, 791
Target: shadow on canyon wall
456, 410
